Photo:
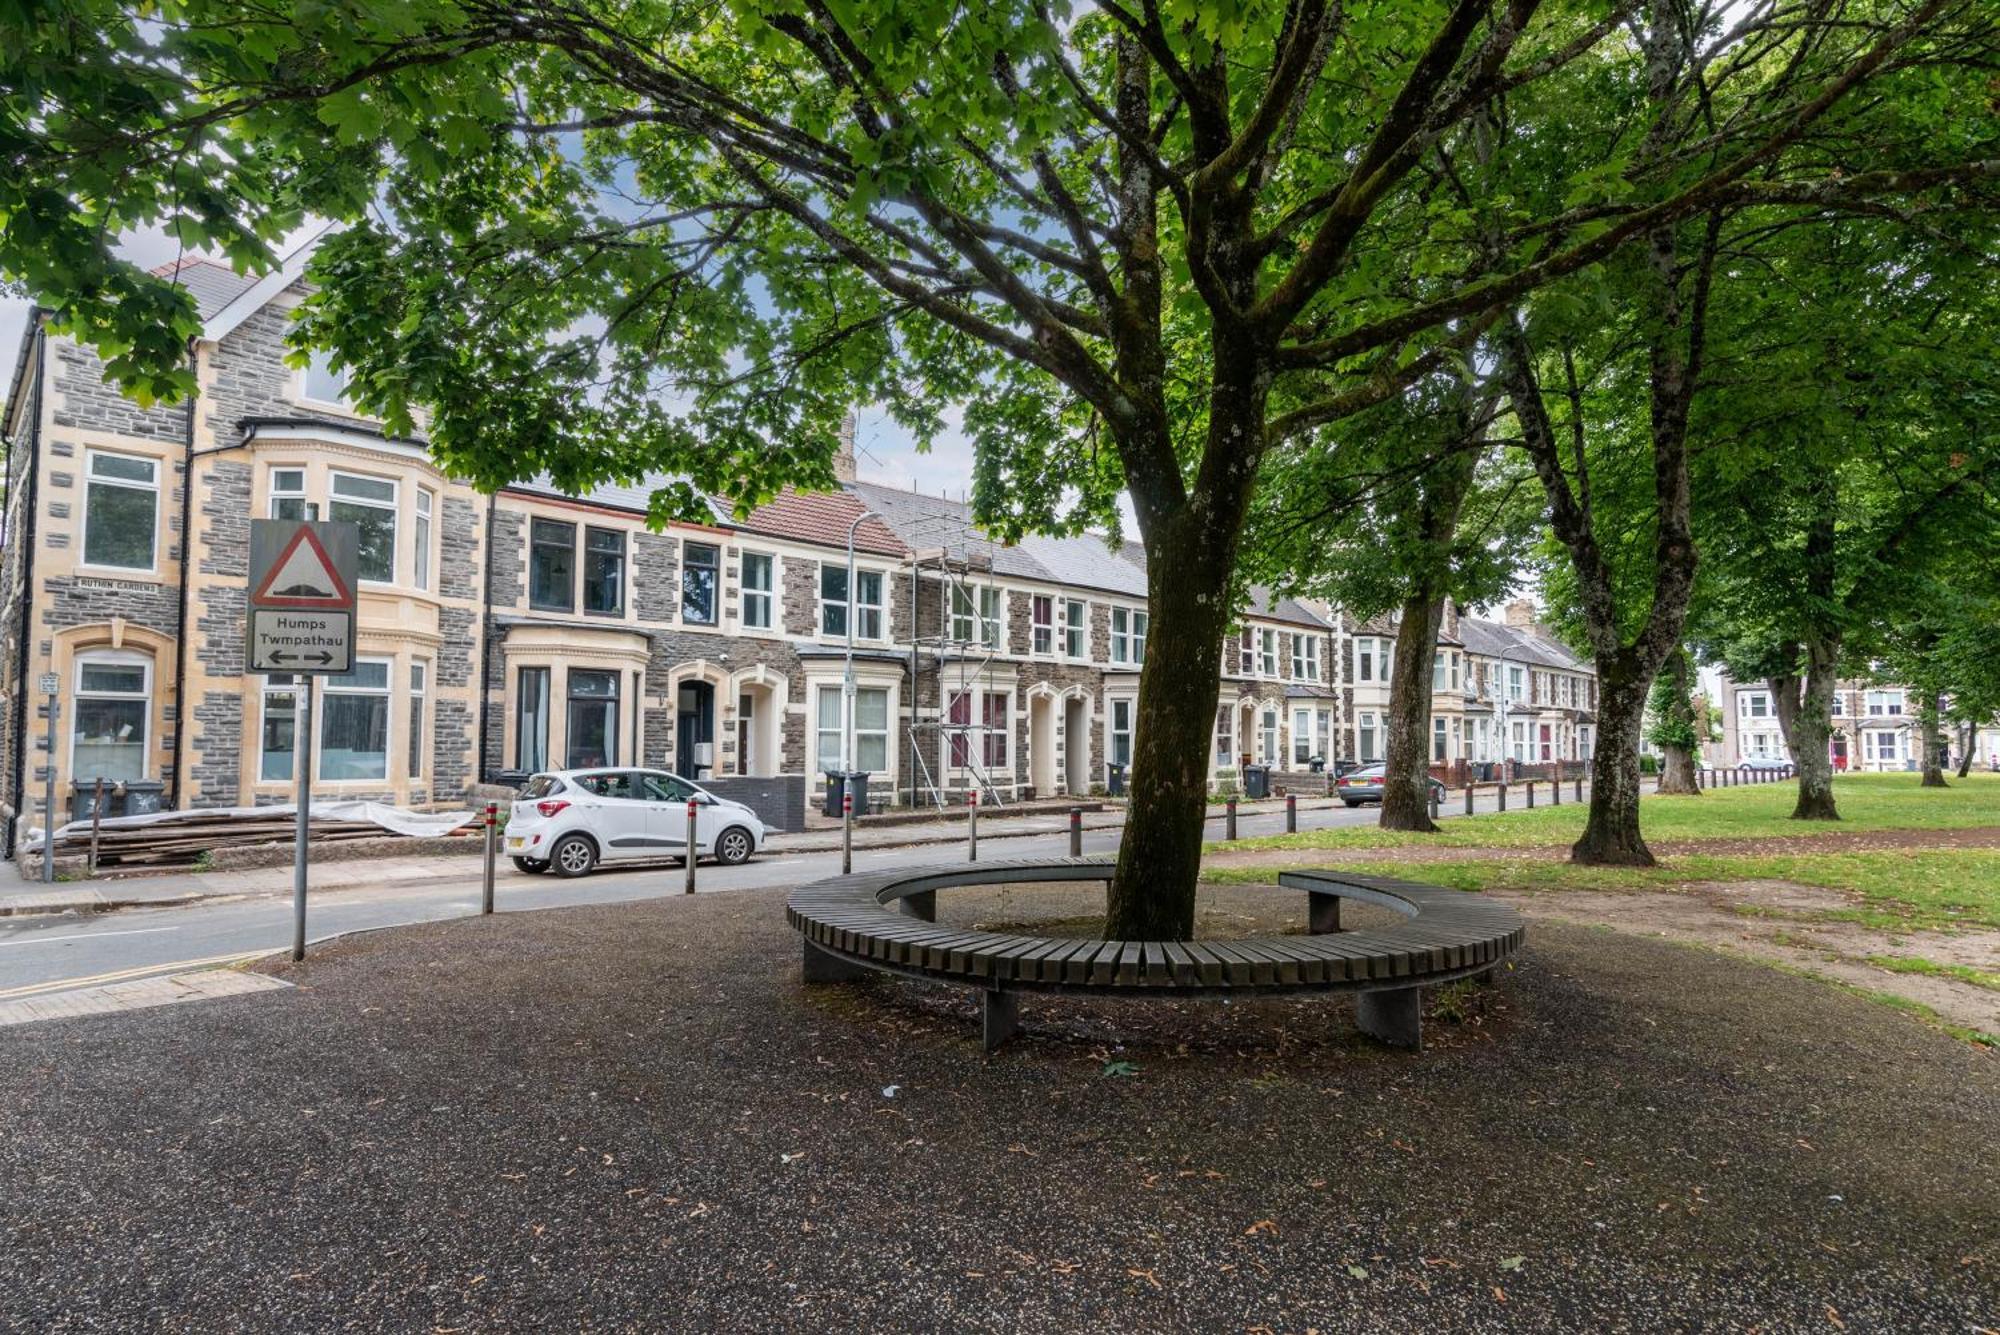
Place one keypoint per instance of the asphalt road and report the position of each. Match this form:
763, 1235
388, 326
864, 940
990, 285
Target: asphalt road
48, 953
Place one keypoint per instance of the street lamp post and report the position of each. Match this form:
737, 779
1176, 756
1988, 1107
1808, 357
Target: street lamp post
1502, 697
847, 674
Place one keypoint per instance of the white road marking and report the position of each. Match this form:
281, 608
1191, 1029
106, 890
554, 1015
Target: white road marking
87, 936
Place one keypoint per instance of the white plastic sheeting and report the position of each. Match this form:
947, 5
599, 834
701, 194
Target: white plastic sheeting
393, 819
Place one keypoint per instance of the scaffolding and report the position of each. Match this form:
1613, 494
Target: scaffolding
958, 746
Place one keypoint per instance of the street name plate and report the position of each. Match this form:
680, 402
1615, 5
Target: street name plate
286, 640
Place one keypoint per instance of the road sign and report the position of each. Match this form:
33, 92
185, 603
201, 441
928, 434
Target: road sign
302, 580
282, 640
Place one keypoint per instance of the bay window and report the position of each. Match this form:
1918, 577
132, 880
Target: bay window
1302, 737
354, 722
421, 565
592, 719
277, 744
1121, 732
418, 673
871, 728
369, 503
288, 493
1365, 735
531, 719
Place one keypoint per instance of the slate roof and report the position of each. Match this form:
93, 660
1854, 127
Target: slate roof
212, 284
925, 522
1520, 644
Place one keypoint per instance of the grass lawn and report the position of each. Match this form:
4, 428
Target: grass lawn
1868, 802
1909, 889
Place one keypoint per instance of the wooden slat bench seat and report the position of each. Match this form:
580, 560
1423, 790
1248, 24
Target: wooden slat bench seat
884, 921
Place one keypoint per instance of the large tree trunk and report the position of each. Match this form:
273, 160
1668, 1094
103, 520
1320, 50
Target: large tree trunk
1611, 833
1929, 711
1807, 719
1679, 774
1967, 735
1159, 860
1805, 715
1406, 773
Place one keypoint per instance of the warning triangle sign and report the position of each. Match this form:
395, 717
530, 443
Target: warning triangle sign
303, 576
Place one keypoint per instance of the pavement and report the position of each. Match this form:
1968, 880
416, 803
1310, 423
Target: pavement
161, 924
634, 1117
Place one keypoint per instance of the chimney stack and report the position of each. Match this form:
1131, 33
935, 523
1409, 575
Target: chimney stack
1521, 612
843, 455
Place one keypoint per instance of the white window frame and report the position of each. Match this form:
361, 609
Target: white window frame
327, 691
861, 608
1225, 736
1129, 708
322, 359
749, 593
1303, 737
1366, 734
1440, 740
1042, 631
1121, 634
91, 480
1305, 657
1885, 704
277, 495
416, 713
1076, 630
394, 507
1267, 652
420, 569
1517, 686
123, 658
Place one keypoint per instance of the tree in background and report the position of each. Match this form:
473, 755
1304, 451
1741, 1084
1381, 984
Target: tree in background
1141, 247
1852, 454
1677, 727
1397, 510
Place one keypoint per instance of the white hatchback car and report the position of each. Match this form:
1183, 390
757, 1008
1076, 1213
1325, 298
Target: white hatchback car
572, 820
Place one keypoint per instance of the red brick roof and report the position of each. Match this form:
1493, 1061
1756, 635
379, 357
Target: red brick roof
823, 517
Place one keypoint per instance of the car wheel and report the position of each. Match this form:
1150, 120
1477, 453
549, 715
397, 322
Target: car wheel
532, 866
1351, 802
574, 855
734, 845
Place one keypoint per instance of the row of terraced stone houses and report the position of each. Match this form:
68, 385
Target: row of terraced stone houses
528, 629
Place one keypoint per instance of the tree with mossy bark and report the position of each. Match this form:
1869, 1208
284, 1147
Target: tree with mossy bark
1138, 246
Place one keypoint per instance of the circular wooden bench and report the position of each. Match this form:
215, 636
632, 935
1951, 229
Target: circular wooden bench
886, 921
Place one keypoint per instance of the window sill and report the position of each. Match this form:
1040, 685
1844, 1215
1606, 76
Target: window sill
138, 574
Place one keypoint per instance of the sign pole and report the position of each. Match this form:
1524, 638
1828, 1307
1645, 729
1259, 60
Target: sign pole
303, 750
49, 686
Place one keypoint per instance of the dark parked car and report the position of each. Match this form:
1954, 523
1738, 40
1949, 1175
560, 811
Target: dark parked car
1365, 785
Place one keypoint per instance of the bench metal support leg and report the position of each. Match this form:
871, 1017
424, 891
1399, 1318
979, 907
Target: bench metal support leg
922, 906
1322, 914
821, 967
1394, 1017
1000, 1016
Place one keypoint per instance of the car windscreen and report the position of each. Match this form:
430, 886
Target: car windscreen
540, 786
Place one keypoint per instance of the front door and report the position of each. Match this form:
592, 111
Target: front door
694, 730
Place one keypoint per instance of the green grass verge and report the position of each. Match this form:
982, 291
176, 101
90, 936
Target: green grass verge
1868, 802
1897, 889
1963, 973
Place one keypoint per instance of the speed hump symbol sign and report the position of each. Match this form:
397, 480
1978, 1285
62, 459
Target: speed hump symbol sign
301, 610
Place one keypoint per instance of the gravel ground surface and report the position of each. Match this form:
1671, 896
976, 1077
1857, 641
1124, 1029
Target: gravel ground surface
635, 1117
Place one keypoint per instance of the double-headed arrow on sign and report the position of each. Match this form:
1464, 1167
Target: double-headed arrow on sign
280, 656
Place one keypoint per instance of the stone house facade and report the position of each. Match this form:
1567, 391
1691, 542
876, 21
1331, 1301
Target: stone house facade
523, 630
1875, 729
1503, 692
